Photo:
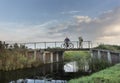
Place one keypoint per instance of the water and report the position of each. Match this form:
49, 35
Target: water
49, 73
71, 67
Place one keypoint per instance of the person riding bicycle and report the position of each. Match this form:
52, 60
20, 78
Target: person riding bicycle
66, 42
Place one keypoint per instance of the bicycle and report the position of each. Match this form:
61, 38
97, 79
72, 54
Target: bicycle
69, 45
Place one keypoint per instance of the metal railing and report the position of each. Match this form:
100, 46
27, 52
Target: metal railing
55, 44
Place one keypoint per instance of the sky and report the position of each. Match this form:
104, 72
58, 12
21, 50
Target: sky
53, 20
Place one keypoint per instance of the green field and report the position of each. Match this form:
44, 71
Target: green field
109, 75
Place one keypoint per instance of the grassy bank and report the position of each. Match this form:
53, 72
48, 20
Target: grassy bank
109, 75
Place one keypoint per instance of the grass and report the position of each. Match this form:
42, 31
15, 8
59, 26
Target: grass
15, 60
109, 75
109, 47
76, 55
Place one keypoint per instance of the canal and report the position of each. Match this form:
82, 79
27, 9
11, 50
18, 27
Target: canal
48, 73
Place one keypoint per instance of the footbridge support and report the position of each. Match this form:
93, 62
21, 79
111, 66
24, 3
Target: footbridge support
47, 56
51, 56
107, 55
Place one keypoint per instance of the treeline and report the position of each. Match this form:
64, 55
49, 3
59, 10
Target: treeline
15, 57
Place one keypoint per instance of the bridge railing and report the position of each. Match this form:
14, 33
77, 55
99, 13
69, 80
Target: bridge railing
55, 44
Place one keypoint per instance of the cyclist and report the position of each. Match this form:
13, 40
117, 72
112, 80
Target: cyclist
66, 42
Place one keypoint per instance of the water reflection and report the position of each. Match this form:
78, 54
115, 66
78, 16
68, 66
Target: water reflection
71, 67
49, 73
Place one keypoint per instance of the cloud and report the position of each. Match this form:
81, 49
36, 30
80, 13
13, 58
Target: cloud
104, 28
24, 32
70, 12
81, 19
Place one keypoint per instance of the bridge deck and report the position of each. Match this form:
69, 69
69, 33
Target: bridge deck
71, 49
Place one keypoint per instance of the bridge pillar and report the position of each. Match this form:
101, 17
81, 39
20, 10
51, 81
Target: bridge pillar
62, 56
51, 68
51, 57
57, 57
91, 53
99, 54
44, 58
109, 56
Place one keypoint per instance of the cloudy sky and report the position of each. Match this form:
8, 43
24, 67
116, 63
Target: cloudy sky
53, 20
